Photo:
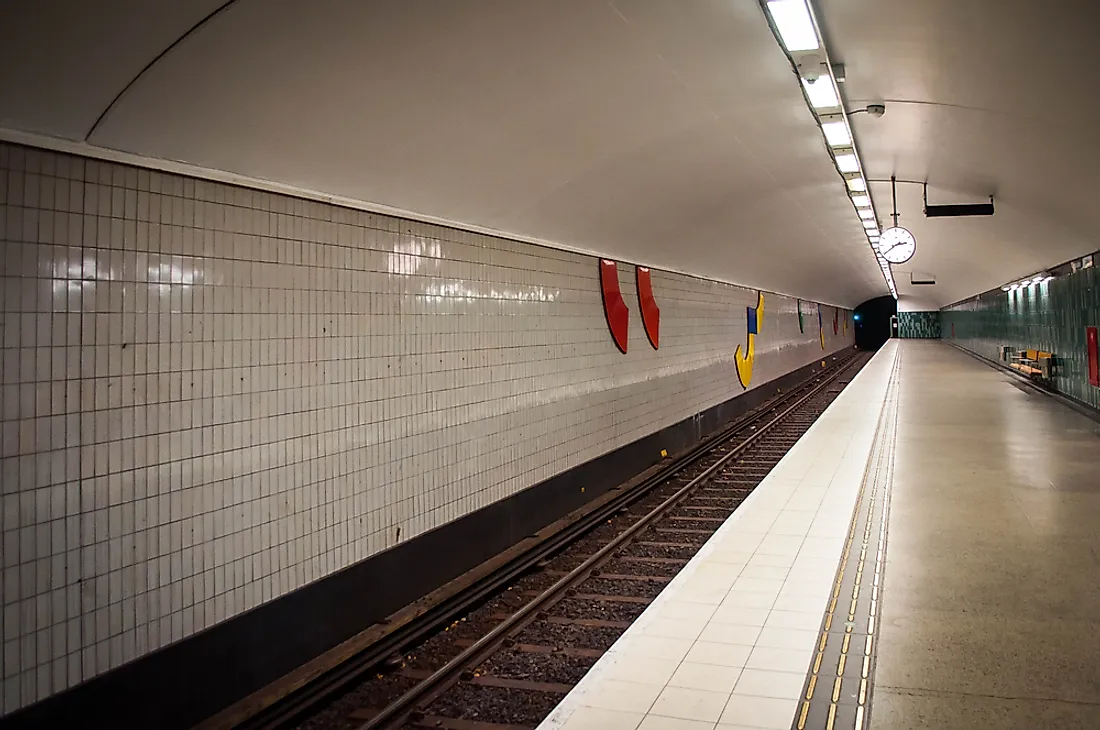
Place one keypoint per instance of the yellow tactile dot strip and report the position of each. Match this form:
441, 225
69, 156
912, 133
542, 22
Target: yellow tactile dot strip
859, 576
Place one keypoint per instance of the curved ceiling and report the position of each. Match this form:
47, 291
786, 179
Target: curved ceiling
983, 97
673, 134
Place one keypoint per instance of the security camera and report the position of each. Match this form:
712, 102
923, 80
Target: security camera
876, 110
811, 67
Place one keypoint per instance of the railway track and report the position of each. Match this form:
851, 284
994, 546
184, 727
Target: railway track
504, 653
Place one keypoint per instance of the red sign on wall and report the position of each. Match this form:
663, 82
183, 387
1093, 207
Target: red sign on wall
1094, 356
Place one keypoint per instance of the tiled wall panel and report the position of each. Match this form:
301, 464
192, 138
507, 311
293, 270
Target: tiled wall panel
1051, 316
919, 325
212, 395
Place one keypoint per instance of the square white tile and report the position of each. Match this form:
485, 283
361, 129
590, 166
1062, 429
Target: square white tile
709, 677
759, 712
613, 694
787, 638
726, 655
766, 683
658, 722
594, 718
730, 633
781, 660
690, 704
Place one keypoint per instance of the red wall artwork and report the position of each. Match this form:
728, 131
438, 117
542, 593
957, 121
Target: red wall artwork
618, 316
1093, 356
651, 313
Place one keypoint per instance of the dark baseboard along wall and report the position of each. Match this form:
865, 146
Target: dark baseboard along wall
187, 682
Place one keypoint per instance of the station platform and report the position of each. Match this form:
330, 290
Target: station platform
927, 555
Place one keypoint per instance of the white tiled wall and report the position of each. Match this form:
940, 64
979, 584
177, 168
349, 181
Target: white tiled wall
212, 396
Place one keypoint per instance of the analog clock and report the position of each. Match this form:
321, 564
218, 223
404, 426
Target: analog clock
897, 245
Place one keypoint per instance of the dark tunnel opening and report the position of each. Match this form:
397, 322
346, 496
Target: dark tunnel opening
873, 321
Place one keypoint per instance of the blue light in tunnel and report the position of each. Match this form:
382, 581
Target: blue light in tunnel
855, 317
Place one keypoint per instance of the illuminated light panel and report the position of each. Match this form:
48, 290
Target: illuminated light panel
796, 28
836, 134
847, 163
794, 24
822, 92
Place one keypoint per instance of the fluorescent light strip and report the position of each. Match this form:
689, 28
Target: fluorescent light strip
847, 163
837, 134
795, 25
822, 92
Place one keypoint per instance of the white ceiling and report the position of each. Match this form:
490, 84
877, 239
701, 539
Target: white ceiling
672, 134
982, 97
666, 133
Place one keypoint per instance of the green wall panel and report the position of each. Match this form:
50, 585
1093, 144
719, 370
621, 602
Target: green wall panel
1051, 316
919, 325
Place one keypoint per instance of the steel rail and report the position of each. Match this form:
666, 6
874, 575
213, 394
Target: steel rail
429, 688
302, 700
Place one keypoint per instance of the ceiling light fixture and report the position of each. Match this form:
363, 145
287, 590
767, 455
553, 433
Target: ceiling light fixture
837, 134
847, 163
822, 92
796, 28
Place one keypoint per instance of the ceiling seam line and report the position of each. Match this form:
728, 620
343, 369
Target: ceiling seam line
209, 16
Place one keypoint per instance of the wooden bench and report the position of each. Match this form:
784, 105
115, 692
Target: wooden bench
1033, 363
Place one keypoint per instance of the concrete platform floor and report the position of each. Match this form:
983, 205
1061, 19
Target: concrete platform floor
991, 601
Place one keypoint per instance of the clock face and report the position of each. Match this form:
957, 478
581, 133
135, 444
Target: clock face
897, 245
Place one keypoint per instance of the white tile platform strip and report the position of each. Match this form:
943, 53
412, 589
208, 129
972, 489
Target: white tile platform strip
728, 643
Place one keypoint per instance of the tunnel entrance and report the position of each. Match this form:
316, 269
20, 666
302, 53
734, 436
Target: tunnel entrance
876, 322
